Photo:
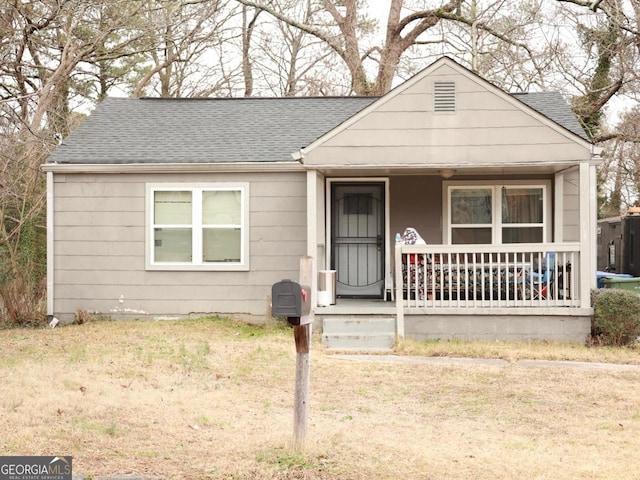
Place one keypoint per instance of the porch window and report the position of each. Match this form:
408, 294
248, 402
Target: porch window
522, 214
197, 227
471, 215
485, 214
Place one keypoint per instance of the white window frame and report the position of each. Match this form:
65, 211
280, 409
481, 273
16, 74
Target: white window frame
496, 210
197, 227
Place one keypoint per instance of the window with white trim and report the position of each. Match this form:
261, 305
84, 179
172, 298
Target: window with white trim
197, 226
497, 213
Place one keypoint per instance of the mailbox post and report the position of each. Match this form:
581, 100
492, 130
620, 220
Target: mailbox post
293, 301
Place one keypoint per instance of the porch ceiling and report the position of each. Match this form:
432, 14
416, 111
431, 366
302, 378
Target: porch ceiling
458, 171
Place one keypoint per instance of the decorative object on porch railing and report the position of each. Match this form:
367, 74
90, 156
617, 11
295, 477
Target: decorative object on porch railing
518, 275
412, 237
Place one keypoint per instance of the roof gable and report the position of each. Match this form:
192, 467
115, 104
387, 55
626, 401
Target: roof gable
487, 125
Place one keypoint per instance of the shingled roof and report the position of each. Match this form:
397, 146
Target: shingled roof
553, 106
215, 130
208, 130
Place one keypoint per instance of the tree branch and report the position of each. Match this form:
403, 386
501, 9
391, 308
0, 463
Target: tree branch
617, 136
294, 23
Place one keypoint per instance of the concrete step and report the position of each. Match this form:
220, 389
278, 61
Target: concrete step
360, 343
359, 332
343, 324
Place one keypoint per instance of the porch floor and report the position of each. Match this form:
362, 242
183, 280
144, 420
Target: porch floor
358, 306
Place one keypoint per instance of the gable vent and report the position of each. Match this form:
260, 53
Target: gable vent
444, 97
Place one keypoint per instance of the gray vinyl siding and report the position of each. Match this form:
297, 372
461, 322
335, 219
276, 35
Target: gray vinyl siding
571, 203
416, 201
99, 253
487, 127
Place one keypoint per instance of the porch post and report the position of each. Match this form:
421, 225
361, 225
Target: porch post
593, 215
399, 296
558, 214
312, 232
588, 220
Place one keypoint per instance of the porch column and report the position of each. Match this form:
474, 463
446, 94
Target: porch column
588, 223
399, 292
558, 214
312, 232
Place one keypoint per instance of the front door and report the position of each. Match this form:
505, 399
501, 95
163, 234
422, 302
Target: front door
357, 239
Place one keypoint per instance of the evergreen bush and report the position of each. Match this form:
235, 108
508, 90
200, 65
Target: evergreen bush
616, 317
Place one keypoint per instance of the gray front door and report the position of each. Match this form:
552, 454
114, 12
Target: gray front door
357, 239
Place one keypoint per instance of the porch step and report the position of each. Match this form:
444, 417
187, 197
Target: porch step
359, 333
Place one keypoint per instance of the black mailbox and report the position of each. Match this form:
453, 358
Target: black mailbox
290, 299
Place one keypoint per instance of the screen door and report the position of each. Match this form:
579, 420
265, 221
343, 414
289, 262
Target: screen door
357, 234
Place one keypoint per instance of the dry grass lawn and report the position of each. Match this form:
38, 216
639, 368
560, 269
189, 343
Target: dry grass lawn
210, 398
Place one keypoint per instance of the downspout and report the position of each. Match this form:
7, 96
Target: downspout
50, 243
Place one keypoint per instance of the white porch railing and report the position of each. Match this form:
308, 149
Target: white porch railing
490, 276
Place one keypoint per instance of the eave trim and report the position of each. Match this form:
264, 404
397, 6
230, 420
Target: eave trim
244, 167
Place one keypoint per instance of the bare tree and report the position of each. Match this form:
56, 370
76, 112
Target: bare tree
179, 35
342, 25
607, 74
490, 36
291, 62
501, 40
44, 44
249, 22
609, 33
619, 175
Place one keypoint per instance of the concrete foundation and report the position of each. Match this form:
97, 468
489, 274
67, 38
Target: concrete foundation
572, 329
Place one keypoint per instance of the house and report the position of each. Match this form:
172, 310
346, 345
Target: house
167, 208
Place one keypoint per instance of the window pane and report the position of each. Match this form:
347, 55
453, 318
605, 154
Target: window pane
172, 245
521, 205
471, 206
470, 235
172, 208
522, 235
221, 244
221, 207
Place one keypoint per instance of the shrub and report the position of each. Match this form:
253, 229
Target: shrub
82, 316
616, 317
22, 304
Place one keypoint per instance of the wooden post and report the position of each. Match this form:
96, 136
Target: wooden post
399, 293
302, 336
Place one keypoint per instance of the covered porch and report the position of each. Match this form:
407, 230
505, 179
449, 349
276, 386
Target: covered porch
445, 289
494, 183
